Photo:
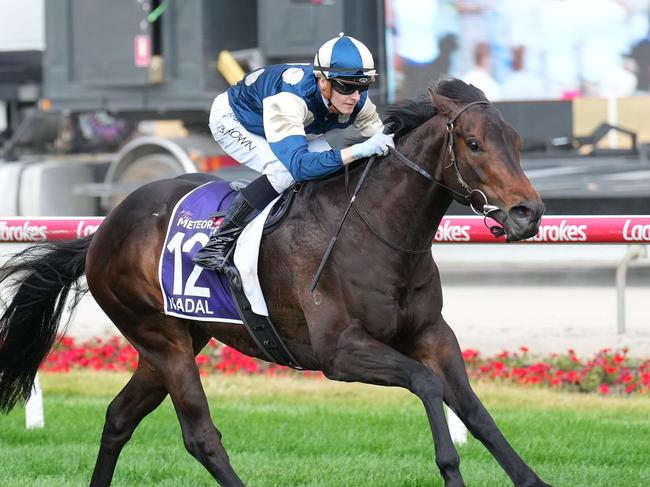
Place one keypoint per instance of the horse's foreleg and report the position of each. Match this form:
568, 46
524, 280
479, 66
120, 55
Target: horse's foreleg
439, 350
141, 395
356, 356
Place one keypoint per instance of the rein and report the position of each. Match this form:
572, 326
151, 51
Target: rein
487, 208
330, 247
469, 191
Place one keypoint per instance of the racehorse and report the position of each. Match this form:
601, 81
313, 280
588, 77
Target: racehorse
374, 317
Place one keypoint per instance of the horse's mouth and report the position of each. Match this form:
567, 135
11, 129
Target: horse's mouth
516, 230
517, 235
518, 226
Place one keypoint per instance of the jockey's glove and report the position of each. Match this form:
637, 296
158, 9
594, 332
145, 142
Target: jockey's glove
377, 145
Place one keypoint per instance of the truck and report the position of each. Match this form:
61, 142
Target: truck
98, 98
122, 90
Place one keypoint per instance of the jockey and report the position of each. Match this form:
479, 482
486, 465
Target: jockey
273, 121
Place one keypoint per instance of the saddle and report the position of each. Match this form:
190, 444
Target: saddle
279, 211
260, 327
281, 208
211, 296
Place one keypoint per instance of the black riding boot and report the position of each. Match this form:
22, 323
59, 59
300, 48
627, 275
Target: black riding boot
248, 203
215, 254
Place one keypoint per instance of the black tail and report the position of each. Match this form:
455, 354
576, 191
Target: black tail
39, 280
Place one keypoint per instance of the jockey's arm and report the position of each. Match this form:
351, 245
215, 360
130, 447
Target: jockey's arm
367, 124
285, 116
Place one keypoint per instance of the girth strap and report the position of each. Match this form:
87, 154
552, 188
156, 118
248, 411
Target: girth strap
260, 327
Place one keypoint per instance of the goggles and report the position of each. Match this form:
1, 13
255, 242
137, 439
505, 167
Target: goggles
348, 87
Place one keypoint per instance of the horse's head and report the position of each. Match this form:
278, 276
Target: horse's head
480, 160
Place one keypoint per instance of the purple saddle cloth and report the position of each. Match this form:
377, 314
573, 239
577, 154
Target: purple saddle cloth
190, 291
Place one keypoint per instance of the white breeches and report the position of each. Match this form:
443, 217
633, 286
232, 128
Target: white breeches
249, 149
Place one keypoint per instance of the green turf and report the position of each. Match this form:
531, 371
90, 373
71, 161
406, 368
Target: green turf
288, 432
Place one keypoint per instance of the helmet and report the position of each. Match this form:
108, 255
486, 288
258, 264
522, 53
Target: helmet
347, 58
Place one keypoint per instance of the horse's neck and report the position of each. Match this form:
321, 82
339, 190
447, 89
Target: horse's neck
411, 206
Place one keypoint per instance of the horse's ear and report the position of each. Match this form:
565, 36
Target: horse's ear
442, 103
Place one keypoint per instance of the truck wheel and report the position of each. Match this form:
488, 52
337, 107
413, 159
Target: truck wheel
143, 170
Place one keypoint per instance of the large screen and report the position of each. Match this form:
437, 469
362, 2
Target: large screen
520, 49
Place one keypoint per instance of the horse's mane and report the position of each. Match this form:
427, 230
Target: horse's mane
405, 116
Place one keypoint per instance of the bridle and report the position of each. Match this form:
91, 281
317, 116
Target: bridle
469, 191
487, 207
467, 195
496, 230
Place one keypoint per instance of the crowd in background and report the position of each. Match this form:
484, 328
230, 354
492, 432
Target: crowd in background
520, 49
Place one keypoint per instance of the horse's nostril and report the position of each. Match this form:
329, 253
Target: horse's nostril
521, 213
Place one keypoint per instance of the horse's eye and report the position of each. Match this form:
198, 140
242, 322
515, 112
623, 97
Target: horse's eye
473, 145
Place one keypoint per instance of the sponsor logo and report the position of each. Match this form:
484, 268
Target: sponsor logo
237, 135
636, 233
188, 223
448, 232
564, 232
232, 115
27, 232
84, 229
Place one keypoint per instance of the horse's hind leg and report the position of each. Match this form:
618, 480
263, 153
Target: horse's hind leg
167, 345
141, 395
439, 349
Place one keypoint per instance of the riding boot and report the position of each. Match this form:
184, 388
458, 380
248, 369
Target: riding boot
215, 254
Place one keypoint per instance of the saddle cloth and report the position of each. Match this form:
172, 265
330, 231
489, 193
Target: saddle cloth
190, 291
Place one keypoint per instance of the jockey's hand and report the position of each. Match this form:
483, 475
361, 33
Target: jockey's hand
377, 145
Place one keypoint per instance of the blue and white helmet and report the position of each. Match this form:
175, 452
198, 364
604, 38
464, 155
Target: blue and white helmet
345, 57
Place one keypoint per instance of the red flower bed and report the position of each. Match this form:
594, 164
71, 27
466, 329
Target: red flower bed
113, 354
118, 355
608, 372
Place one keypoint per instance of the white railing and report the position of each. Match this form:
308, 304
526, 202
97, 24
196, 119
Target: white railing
453, 229
633, 231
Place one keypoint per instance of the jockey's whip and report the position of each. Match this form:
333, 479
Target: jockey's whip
330, 247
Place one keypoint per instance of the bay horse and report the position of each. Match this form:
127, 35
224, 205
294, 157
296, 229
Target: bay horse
375, 316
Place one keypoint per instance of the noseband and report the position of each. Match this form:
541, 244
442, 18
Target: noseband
496, 230
487, 208
469, 192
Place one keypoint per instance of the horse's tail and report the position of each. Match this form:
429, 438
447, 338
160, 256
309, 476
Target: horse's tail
39, 280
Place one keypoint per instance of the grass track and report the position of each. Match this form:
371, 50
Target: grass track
288, 432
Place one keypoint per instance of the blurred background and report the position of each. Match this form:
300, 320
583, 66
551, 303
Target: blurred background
97, 98
103, 96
